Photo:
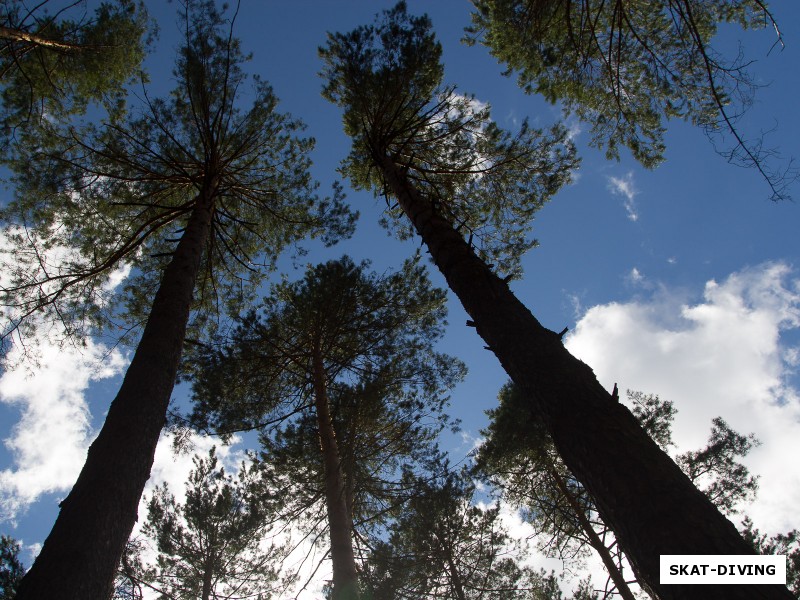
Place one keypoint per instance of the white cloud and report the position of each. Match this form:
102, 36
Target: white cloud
721, 356
569, 570
512, 118
35, 261
470, 443
48, 445
464, 106
46, 379
173, 468
574, 129
624, 186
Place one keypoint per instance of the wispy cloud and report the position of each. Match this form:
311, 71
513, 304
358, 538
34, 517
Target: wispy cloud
574, 129
471, 442
575, 304
512, 118
625, 187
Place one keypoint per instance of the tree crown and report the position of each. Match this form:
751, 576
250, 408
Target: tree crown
212, 545
624, 68
488, 182
54, 65
98, 198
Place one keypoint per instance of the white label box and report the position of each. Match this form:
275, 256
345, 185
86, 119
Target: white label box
722, 568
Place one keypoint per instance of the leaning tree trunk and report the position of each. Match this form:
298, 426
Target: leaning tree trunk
80, 556
345, 575
650, 504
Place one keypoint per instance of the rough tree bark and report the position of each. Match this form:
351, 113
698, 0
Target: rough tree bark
345, 575
644, 497
80, 556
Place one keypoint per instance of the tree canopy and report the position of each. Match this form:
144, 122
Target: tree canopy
11, 567
99, 198
444, 546
522, 462
624, 68
786, 544
372, 329
486, 181
56, 59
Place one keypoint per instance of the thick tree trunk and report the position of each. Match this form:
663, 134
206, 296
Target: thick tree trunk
594, 539
644, 497
80, 556
345, 575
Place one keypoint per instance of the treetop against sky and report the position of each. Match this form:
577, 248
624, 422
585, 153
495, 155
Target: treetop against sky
680, 281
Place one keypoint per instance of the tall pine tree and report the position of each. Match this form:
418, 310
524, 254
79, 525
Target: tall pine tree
232, 184
348, 356
455, 176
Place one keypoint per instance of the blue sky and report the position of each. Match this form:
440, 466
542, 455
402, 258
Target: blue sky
682, 281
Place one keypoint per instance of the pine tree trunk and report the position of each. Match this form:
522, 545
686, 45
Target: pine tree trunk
208, 576
644, 497
349, 467
80, 556
345, 575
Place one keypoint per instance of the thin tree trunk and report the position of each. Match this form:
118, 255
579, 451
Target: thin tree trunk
345, 575
15, 35
594, 539
644, 497
455, 577
80, 556
349, 467
208, 576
